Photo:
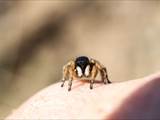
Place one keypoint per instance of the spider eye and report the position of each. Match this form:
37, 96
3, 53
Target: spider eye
87, 70
79, 71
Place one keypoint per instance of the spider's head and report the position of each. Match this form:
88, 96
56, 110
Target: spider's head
83, 66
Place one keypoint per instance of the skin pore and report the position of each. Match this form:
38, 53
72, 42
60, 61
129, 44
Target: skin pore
134, 99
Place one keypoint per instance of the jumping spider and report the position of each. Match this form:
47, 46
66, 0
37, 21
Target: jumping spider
83, 67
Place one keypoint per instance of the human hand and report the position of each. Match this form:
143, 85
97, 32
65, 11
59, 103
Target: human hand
135, 99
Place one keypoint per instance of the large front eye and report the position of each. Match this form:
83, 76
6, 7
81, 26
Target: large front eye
79, 71
87, 71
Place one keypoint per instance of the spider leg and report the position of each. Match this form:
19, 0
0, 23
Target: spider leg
63, 81
103, 72
108, 79
104, 76
93, 76
70, 84
65, 74
71, 76
71, 71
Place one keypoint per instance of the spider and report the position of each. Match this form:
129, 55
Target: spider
83, 67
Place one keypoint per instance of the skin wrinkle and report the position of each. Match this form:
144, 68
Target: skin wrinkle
81, 102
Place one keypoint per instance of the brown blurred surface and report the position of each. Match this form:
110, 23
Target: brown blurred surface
38, 37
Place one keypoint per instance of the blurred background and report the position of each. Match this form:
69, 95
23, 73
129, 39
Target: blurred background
37, 37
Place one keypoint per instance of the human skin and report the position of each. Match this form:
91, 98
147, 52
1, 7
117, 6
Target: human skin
134, 99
